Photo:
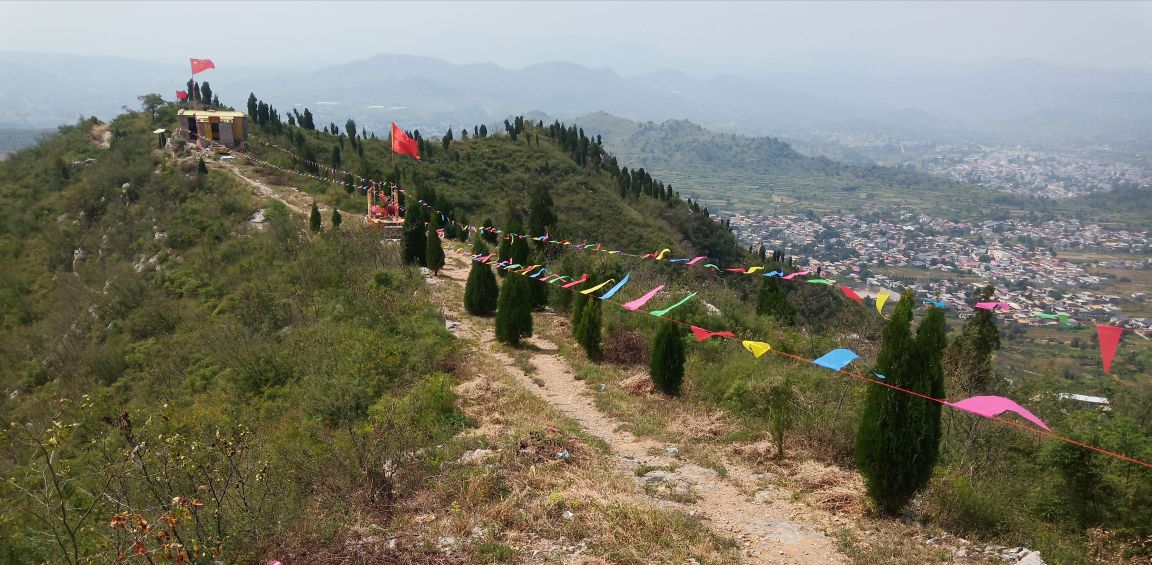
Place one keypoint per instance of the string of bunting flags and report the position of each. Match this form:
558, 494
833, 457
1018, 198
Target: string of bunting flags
1109, 336
991, 407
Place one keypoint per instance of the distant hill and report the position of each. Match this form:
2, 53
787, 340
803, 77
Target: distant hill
1011, 102
752, 174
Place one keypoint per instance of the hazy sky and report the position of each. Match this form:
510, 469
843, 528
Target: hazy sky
631, 36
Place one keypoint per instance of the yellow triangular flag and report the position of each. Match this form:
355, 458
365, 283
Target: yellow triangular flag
597, 287
880, 299
757, 348
660, 257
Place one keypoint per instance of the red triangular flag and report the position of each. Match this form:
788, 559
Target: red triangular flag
851, 294
403, 144
201, 65
703, 334
1109, 338
181, 95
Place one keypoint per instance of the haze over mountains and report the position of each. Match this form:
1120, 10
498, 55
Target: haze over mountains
1006, 102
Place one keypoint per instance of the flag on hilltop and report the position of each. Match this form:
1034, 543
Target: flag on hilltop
403, 144
181, 95
201, 65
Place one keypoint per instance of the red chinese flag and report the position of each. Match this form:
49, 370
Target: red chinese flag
201, 65
403, 144
1109, 337
181, 95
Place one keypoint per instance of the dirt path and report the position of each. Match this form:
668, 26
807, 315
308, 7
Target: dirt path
102, 135
770, 527
295, 200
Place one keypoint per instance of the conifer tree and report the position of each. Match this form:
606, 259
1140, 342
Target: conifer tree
773, 301
513, 311
252, 106
481, 291
489, 236
434, 255
308, 122
336, 157
541, 217
414, 244
314, 218
579, 301
666, 366
588, 332
206, 93
897, 443
337, 219
201, 168
969, 356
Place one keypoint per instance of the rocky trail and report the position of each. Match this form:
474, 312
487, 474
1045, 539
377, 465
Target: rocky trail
764, 520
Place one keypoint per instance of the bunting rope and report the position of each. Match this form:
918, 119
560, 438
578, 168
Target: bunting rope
753, 346
729, 336
1109, 335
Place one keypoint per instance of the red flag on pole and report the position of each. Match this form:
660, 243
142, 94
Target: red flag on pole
1109, 338
201, 65
403, 144
181, 95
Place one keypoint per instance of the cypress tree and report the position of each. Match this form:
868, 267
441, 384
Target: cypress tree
897, 442
481, 290
540, 217
252, 106
414, 242
314, 218
489, 236
588, 332
666, 366
773, 301
434, 253
513, 310
201, 168
337, 219
579, 301
969, 357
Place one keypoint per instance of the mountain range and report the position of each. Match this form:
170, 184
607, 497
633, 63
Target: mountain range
1005, 102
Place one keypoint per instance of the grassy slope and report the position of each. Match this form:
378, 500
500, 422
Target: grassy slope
275, 377
479, 176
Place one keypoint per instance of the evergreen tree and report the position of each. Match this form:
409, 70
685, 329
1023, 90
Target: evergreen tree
773, 301
897, 443
483, 131
447, 139
412, 241
666, 366
336, 157
251, 105
513, 311
969, 356
215, 101
308, 122
201, 168
579, 301
206, 93
540, 215
481, 291
588, 335
488, 235
314, 218
337, 219
350, 129
434, 255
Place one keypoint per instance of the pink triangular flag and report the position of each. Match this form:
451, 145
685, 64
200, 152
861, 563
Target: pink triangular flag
636, 304
989, 406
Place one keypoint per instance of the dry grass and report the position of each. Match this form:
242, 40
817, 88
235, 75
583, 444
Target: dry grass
831, 488
638, 385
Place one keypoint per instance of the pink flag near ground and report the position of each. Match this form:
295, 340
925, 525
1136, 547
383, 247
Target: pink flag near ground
636, 304
989, 406
1109, 337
